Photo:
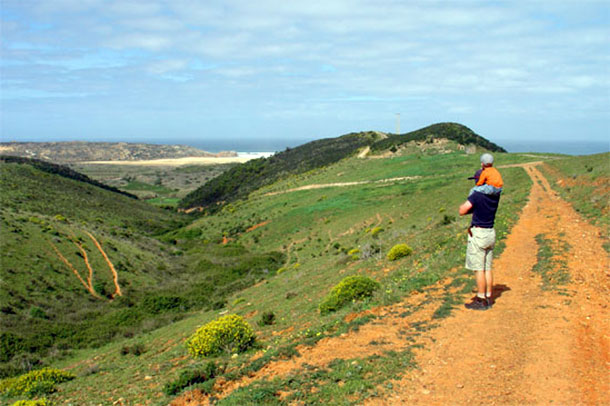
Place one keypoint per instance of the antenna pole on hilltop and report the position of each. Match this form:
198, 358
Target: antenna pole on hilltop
397, 123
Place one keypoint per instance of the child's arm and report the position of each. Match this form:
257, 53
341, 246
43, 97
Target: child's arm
482, 178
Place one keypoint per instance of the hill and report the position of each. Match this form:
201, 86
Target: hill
79, 151
301, 236
62, 171
82, 265
243, 179
323, 234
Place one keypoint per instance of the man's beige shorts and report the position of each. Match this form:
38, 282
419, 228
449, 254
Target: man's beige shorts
479, 252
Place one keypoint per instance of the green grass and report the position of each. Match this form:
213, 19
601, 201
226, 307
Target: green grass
582, 181
46, 312
312, 231
552, 263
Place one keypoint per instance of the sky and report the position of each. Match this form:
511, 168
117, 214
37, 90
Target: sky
183, 70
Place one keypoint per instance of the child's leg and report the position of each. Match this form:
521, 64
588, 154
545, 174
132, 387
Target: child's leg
486, 189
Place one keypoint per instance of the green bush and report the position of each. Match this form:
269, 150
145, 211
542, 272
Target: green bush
399, 251
230, 334
163, 303
350, 289
10, 344
33, 383
267, 319
192, 377
136, 349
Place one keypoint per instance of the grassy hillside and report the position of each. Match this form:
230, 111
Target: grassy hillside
58, 289
316, 231
243, 179
584, 181
60, 170
239, 181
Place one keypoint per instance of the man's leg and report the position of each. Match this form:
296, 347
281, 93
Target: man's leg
479, 302
489, 283
481, 277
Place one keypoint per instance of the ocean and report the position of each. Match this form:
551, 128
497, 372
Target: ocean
559, 147
268, 146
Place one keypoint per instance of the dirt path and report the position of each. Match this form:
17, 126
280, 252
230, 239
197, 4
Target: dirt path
341, 184
534, 347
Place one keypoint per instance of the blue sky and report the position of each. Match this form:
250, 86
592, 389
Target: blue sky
157, 71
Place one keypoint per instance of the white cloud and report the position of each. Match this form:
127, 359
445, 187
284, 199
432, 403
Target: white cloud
149, 42
165, 66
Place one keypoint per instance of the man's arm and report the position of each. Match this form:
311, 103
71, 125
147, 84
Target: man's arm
465, 208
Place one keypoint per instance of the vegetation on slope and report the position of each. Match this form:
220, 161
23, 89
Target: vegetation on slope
238, 182
584, 182
315, 230
58, 290
243, 179
61, 170
450, 131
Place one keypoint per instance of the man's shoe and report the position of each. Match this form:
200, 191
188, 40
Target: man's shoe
477, 304
490, 302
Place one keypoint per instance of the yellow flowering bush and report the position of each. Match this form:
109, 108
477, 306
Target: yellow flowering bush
375, 231
230, 334
399, 251
38, 402
36, 382
354, 253
350, 289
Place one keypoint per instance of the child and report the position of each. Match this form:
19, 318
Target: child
488, 179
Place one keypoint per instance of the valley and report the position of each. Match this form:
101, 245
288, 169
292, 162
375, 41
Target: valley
279, 247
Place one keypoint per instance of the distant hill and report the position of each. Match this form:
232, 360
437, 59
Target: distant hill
243, 179
78, 151
62, 171
450, 131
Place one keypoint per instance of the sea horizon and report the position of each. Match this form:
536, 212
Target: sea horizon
270, 146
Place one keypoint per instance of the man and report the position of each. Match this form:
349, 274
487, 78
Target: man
481, 240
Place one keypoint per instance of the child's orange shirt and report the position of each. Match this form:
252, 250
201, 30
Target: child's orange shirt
490, 176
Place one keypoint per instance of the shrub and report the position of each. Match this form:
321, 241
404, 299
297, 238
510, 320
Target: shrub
136, 349
37, 402
399, 251
267, 319
375, 231
350, 289
447, 220
354, 253
37, 312
163, 303
10, 344
230, 334
191, 377
37, 382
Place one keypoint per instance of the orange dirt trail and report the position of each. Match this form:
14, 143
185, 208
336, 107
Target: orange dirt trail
533, 347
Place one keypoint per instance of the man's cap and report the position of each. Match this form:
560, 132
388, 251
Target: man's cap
487, 159
476, 175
